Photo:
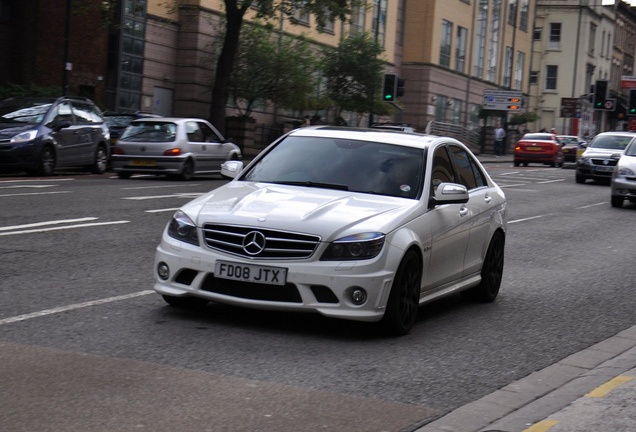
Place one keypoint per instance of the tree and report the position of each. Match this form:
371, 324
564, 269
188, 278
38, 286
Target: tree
353, 72
235, 12
272, 67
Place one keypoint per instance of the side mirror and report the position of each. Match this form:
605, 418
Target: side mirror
616, 156
450, 193
62, 124
231, 169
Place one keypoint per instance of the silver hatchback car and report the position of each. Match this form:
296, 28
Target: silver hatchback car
624, 177
180, 147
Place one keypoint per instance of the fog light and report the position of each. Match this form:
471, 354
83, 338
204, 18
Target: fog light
163, 271
358, 296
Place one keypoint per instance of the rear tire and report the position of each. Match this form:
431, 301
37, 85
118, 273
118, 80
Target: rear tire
101, 161
188, 171
491, 272
404, 299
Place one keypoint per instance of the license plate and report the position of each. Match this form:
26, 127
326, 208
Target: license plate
604, 168
142, 163
534, 148
251, 273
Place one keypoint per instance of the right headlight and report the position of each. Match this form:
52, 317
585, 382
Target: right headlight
624, 172
355, 247
182, 228
24, 137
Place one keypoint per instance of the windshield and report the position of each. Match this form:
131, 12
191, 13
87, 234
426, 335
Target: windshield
24, 112
611, 142
568, 140
149, 131
117, 121
631, 150
359, 166
537, 137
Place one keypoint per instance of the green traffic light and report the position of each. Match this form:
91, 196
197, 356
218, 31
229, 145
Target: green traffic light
388, 96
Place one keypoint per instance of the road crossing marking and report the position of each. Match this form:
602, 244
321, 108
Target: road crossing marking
33, 193
39, 224
526, 219
57, 228
163, 210
177, 195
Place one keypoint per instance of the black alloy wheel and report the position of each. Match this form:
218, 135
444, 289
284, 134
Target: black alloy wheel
404, 300
491, 272
47, 162
101, 161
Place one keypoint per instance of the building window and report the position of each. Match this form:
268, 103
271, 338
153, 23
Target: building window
379, 20
523, 17
536, 34
474, 117
480, 43
358, 19
441, 108
555, 36
521, 60
456, 111
592, 40
493, 46
512, 13
551, 77
447, 39
460, 53
131, 65
508, 68
534, 77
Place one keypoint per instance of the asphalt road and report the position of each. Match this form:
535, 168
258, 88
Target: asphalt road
85, 345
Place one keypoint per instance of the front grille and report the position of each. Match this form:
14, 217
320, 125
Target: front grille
610, 162
287, 293
259, 243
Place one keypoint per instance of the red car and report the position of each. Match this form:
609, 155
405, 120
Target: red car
538, 148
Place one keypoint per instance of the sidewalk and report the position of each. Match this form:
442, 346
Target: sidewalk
591, 391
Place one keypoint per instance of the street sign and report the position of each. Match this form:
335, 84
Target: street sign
609, 104
502, 100
628, 81
632, 124
570, 107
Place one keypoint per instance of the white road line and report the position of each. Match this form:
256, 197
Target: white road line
180, 195
73, 307
551, 181
37, 180
64, 227
527, 219
27, 186
161, 187
53, 222
513, 185
33, 193
163, 210
592, 205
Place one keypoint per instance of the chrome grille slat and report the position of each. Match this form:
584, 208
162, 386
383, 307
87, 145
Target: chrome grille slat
278, 244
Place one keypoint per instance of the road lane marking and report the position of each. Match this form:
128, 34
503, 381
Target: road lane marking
163, 210
36, 180
592, 205
73, 307
513, 185
551, 181
527, 219
179, 195
542, 426
39, 224
33, 193
161, 186
64, 227
27, 186
604, 389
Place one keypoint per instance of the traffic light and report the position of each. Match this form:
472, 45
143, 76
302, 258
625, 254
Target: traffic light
600, 94
400, 87
631, 109
390, 87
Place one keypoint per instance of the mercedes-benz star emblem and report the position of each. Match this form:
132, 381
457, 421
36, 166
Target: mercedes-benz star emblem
254, 243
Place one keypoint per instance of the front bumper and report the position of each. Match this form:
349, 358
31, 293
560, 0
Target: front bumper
624, 187
312, 285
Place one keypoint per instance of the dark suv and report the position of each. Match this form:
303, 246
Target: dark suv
40, 135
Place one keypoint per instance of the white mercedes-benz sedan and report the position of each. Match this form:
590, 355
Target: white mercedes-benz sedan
360, 224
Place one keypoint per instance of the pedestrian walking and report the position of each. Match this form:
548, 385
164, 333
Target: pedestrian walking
500, 134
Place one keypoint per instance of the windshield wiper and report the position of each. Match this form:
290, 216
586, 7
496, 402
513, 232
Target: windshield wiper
314, 184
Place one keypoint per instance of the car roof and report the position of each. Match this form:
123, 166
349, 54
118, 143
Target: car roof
408, 139
168, 119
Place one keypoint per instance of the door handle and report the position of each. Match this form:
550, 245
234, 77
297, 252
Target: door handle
488, 199
463, 211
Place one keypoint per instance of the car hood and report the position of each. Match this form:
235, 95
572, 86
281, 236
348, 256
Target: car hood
8, 130
325, 212
599, 152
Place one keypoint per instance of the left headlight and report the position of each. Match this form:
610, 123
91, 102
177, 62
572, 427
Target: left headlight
182, 228
624, 172
24, 137
355, 247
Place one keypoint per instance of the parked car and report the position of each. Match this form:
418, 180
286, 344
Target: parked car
538, 148
624, 177
597, 161
569, 146
359, 224
40, 135
119, 121
182, 147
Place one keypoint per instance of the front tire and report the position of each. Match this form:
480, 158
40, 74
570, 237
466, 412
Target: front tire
185, 302
617, 201
47, 162
491, 272
404, 299
580, 179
